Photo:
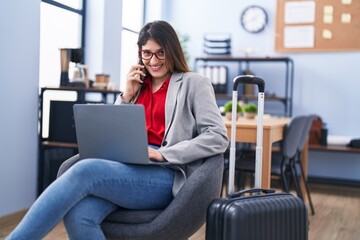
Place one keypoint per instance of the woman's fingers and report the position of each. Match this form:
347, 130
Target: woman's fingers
133, 80
135, 73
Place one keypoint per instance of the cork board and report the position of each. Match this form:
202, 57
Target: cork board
317, 25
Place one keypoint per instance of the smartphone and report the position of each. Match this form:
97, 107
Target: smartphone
144, 70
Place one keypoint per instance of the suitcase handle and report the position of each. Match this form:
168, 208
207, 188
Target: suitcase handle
249, 79
253, 190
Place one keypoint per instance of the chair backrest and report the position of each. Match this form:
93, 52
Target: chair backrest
292, 136
306, 132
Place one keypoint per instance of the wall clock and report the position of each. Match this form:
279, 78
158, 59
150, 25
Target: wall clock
254, 19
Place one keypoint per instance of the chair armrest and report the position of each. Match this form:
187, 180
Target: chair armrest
67, 164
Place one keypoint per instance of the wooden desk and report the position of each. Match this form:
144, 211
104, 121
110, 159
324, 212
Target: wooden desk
273, 129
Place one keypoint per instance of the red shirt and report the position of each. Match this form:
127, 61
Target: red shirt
154, 104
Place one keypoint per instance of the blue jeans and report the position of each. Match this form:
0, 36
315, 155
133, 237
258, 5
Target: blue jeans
89, 191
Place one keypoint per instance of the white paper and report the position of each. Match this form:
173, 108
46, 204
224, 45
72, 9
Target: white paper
222, 75
338, 140
299, 36
346, 2
208, 72
215, 75
327, 34
299, 12
328, 19
328, 10
346, 18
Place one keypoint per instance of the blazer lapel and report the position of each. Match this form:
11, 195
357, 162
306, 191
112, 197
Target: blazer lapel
171, 97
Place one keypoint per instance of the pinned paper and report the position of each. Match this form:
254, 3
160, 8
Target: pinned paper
299, 36
328, 10
299, 12
328, 19
327, 34
346, 18
346, 2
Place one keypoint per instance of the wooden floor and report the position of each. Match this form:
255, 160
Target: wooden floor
337, 216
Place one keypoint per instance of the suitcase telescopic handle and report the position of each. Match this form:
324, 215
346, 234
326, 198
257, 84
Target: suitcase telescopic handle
249, 79
252, 191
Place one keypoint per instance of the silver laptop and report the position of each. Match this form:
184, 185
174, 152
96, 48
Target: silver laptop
113, 132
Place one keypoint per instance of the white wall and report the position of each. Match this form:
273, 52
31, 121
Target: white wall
19, 73
94, 37
103, 38
325, 83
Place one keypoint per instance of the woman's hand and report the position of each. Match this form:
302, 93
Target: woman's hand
133, 82
155, 155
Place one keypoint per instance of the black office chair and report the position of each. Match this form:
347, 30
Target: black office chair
180, 219
280, 161
297, 160
241, 148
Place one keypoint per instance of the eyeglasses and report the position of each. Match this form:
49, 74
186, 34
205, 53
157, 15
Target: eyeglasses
147, 55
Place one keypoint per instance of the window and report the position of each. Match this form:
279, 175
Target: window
132, 21
134, 15
61, 26
76, 4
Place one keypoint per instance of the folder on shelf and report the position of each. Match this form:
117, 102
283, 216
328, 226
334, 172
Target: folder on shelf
217, 76
217, 44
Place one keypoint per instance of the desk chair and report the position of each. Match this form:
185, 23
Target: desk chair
297, 160
241, 149
280, 161
180, 219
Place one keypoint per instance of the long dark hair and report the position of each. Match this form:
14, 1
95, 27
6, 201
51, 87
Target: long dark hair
164, 34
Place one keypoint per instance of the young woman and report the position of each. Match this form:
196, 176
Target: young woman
184, 126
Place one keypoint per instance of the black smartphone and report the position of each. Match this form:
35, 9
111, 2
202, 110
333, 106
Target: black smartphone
142, 69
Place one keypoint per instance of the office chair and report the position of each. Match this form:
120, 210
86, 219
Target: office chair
297, 160
280, 161
241, 149
180, 219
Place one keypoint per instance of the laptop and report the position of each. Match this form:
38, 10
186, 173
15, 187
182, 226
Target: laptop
112, 132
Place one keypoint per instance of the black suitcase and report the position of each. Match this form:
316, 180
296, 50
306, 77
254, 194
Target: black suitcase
255, 214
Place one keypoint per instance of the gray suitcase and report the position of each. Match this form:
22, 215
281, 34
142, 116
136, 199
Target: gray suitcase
255, 214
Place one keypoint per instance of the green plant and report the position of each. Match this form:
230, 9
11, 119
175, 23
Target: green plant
184, 39
250, 108
228, 107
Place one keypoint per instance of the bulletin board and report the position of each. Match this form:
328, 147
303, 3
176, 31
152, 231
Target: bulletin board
317, 25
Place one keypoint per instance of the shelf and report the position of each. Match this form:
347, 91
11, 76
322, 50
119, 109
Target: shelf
250, 97
244, 64
244, 59
81, 89
334, 148
58, 144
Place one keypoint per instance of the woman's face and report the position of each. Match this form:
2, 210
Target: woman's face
155, 66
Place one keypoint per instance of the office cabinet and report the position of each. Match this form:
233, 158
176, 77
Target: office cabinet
244, 64
57, 137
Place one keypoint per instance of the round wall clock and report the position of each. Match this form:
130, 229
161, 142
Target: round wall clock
254, 19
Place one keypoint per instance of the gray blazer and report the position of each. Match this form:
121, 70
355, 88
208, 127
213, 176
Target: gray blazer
194, 127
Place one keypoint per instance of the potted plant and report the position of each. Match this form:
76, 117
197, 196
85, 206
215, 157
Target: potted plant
228, 110
250, 110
